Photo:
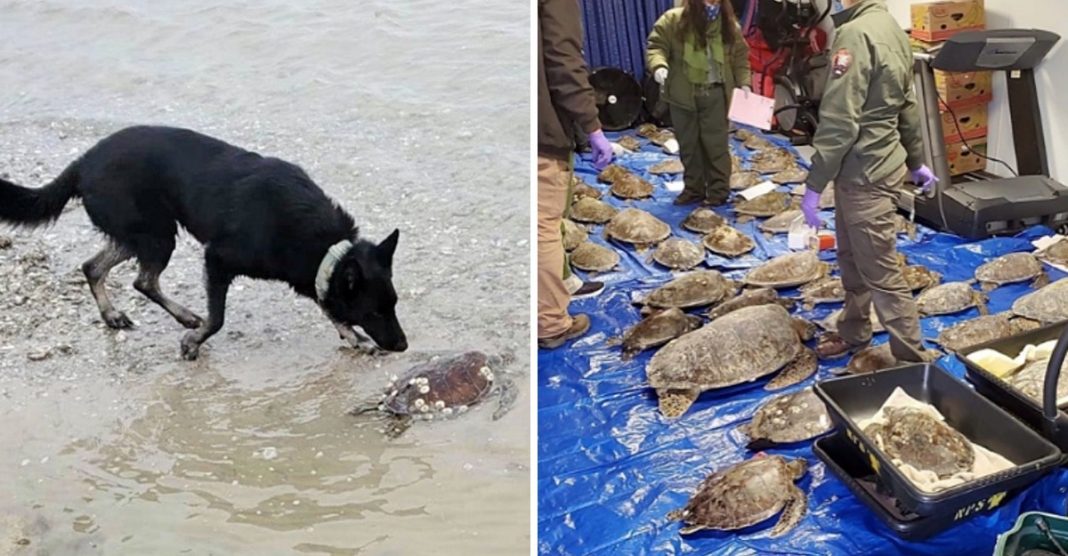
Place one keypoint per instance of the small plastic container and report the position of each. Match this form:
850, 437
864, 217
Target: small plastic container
1026, 535
856, 397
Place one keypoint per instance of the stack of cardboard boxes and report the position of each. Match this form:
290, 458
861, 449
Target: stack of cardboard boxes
967, 94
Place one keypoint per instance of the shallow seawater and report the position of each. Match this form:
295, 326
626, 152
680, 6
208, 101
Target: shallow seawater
412, 115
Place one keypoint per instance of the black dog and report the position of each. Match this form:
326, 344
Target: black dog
258, 217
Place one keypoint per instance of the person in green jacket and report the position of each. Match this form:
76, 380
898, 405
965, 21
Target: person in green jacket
697, 54
869, 139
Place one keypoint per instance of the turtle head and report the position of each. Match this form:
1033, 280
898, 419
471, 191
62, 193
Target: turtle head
805, 329
796, 468
360, 292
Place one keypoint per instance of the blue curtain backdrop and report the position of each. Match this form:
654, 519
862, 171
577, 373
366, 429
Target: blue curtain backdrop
615, 32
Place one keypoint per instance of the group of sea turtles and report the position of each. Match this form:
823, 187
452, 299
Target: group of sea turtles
713, 332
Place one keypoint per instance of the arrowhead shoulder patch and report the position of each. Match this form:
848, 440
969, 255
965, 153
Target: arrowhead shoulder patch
841, 62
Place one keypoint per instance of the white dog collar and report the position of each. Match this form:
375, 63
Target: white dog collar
326, 267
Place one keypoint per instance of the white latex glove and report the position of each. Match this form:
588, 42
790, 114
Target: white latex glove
660, 75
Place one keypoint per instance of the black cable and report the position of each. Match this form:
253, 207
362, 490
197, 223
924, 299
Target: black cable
965, 141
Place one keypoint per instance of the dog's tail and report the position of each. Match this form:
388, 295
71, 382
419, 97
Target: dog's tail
23, 206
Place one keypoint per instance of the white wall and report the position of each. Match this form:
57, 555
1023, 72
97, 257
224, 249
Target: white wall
1051, 77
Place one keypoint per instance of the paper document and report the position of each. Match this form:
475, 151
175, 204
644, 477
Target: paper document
755, 191
752, 109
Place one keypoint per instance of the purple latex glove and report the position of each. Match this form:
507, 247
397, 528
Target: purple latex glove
602, 150
810, 207
924, 177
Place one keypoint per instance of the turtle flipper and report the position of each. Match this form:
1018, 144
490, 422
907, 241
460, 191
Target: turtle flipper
802, 367
980, 303
792, 512
1041, 280
397, 425
987, 286
674, 403
507, 392
367, 406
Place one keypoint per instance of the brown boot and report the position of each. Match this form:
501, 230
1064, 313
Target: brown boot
831, 345
688, 198
580, 324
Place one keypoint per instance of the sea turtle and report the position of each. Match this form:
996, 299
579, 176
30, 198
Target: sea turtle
1010, 268
727, 241
736, 164
746, 494
787, 271
920, 277
694, 289
631, 186
1031, 380
573, 234
669, 166
793, 174
787, 418
591, 257
657, 329
757, 142
443, 387
660, 138
637, 227
647, 130
830, 323
591, 210
744, 180
949, 298
743, 135
679, 254
825, 290
982, 329
772, 161
762, 339
629, 143
869, 360
904, 226
703, 220
611, 173
765, 205
917, 438
750, 298
580, 189
1055, 253
1047, 305
780, 223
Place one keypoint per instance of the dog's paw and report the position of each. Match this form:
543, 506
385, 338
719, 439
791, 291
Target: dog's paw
190, 347
367, 347
117, 320
190, 321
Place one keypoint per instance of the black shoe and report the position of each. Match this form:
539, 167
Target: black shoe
688, 198
588, 289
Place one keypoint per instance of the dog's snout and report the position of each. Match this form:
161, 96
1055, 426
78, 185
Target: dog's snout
400, 345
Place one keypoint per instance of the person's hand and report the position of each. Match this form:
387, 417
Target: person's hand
602, 150
810, 207
660, 75
924, 177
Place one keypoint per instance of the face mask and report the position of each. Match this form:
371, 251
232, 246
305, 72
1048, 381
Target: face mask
837, 7
712, 12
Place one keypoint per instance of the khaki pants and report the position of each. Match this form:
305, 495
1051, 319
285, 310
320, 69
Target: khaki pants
553, 297
867, 255
704, 145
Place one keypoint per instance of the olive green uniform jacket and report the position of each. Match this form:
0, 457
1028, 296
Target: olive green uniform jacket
665, 49
565, 97
869, 119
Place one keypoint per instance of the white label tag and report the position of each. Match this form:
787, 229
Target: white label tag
671, 146
755, 191
675, 186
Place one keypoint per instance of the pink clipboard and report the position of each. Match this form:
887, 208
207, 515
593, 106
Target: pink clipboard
752, 109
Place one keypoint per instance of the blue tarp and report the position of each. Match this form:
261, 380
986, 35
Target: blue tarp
610, 468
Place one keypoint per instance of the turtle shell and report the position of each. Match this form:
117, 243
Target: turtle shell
728, 242
824, 290
871, 359
744, 180
948, 298
591, 210
573, 235
631, 186
746, 494
794, 174
780, 223
915, 437
669, 166
629, 143
679, 254
1031, 380
749, 298
580, 189
1056, 253
441, 386
768, 204
919, 277
772, 161
790, 418
695, 289
658, 329
1007, 269
647, 130
703, 220
594, 258
786, 271
1047, 305
982, 329
611, 173
826, 196
636, 226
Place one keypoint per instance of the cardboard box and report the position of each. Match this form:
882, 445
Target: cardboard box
963, 162
937, 21
971, 119
963, 89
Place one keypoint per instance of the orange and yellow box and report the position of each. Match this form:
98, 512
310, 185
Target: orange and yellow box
937, 21
972, 121
962, 161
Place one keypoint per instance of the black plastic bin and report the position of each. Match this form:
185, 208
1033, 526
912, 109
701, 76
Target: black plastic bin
857, 397
852, 469
1054, 427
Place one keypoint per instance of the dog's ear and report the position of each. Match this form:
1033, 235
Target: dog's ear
387, 247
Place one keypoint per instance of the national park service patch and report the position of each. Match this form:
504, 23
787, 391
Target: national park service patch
841, 62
